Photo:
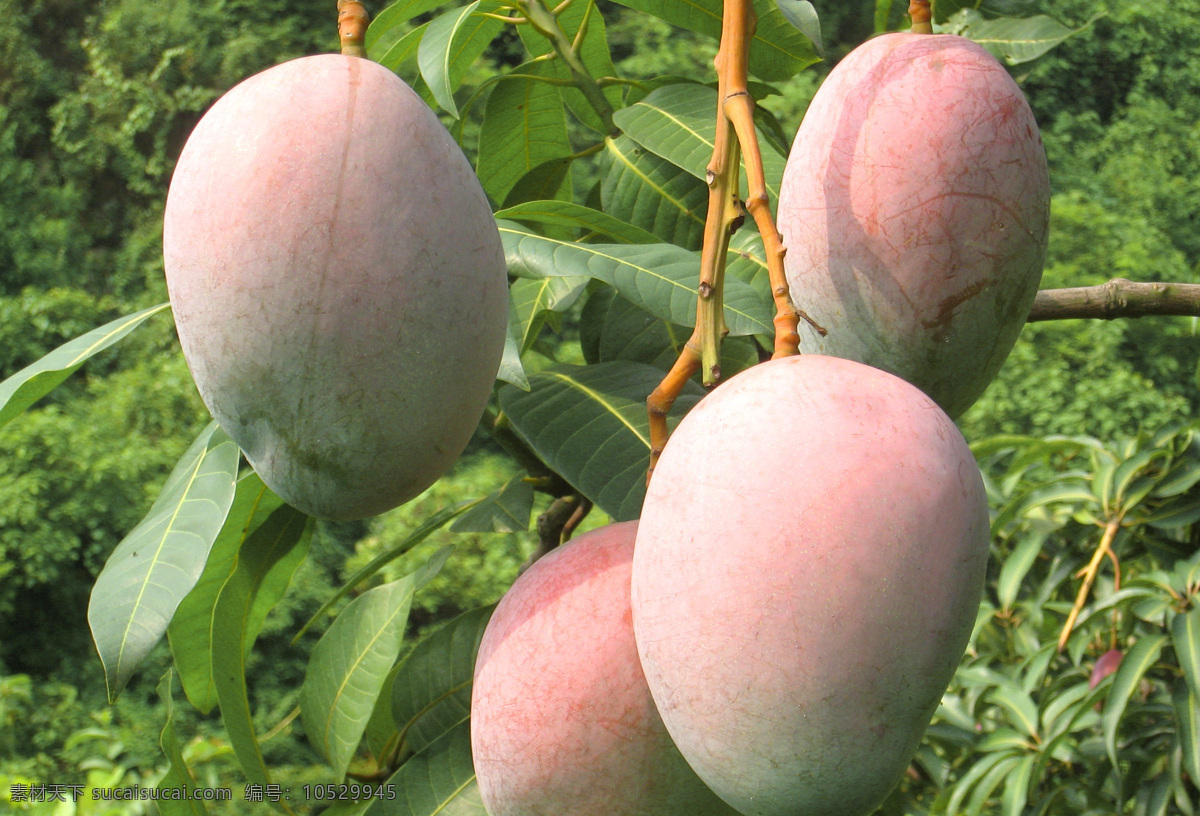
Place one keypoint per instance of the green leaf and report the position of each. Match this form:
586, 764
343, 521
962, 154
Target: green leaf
1017, 564
676, 122
505, 511
593, 223
1187, 726
531, 299
777, 51
589, 424
1014, 40
1140, 657
1016, 787
803, 17
157, 564
650, 192
453, 41
612, 328
978, 775
592, 51
190, 632
883, 12
511, 370
432, 691
1182, 477
541, 183
1018, 706
1185, 637
266, 561
1176, 513
402, 52
389, 27
524, 126
38, 379
662, 278
177, 776
439, 781
350, 663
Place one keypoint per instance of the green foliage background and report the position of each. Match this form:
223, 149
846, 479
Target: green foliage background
96, 98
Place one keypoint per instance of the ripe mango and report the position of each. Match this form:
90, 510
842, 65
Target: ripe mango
808, 566
338, 283
915, 209
562, 723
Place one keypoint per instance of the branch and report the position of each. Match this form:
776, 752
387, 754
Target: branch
1117, 298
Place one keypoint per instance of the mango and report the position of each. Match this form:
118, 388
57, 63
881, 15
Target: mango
562, 723
338, 283
808, 566
915, 208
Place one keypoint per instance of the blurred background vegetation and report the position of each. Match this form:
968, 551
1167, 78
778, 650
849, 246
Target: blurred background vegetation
96, 99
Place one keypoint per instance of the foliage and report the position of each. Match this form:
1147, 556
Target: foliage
597, 175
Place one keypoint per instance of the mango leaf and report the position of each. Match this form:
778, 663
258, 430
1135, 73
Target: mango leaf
350, 663
662, 278
524, 126
38, 379
1140, 657
592, 50
511, 370
453, 41
594, 223
676, 122
545, 181
177, 777
157, 564
648, 191
1017, 564
266, 561
1016, 787
389, 27
1014, 40
1018, 706
505, 511
803, 17
612, 328
190, 632
531, 299
1183, 475
438, 781
777, 51
589, 424
943, 10
980, 775
1185, 637
432, 691
883, 12
397, 57
1187, 726
1178, 512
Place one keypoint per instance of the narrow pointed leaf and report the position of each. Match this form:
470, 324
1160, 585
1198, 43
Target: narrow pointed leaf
546, 181
439, 781
1182, 477
650, 192
1019, 707
431, 694
389, 26
350, 663
1017, 564
532, 299
524, 126
177, 777
677, 123
589, 424
1012, 39
453, 41
157, 564
803, 17
505, 511
191, 629
266, 561
1140, 657
1187, 726
38, 379
662, 278
1016, 787
1185, 637
777, 50
401, 53
593, 223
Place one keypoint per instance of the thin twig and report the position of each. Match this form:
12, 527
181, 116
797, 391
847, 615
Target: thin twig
1117, 298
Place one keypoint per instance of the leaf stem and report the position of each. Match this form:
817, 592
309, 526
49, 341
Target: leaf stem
1089, 578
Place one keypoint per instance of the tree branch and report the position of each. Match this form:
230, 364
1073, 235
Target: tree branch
1117, 298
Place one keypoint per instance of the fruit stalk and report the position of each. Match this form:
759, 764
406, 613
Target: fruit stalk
352, 27
921, 16
735, 136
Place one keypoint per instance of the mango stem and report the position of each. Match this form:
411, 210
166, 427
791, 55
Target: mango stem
352, 27
922, 17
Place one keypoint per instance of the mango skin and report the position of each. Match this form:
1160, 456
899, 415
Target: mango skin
562, 723
915, 210
338, 283
808, 566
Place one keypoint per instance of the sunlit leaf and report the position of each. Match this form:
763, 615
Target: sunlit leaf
1185, 638
1187, 726
389, 27
532, 299
350, 663
505, 511
803, 17
589, 424
511, 370
157, 564
575, 216
662, 278
431, 694
453, 41
653, 194
38, 379
1012, 39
